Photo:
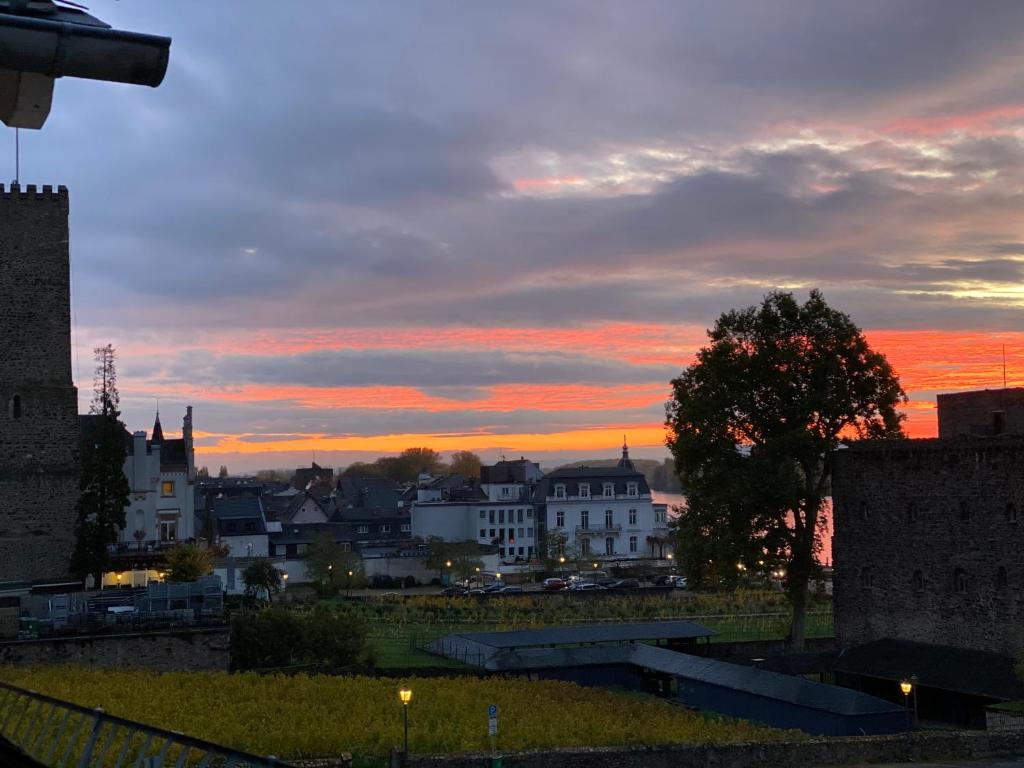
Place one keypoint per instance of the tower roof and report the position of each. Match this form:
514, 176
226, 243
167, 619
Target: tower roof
158, 431
625, 462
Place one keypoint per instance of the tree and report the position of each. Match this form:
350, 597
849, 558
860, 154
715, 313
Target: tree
465, 556
753, 425
203, 473
465, 463
261, 578
328, 564
103, 486
188, 562
333, 638
222, 472
439, 554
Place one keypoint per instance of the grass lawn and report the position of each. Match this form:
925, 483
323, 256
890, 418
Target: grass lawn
320, 716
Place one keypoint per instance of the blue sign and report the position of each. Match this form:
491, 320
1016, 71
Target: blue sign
492, 711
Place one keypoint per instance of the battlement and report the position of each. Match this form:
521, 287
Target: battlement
32, 192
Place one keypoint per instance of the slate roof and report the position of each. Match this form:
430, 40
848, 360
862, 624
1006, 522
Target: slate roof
977, 673
306, 533
368, 514
368, 492
239, 516
592, 633
295, 504
573, 477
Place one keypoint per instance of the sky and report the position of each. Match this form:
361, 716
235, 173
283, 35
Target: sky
338, 230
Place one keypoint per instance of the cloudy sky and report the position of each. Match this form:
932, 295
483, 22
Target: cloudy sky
354, 227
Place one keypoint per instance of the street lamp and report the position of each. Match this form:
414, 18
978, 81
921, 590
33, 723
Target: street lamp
405, 696
906, 687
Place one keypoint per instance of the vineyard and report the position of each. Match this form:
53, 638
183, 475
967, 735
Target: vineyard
319, 716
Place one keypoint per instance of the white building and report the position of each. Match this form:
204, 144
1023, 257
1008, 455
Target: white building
161, 476
603, 512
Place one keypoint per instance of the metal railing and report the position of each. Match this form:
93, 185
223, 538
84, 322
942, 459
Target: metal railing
60, 734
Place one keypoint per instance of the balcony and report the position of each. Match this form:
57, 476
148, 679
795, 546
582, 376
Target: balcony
597, 529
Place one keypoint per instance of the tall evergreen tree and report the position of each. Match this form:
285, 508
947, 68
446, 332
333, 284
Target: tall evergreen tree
104, 490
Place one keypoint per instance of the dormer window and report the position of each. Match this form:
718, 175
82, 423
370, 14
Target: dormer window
631, 489
584, 492
609, 490
559, 491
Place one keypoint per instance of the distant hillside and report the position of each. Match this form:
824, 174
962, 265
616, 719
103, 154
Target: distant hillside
661, 475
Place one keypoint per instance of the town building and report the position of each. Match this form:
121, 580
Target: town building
161, 476
604, 513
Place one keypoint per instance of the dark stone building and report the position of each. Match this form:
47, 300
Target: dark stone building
39, 440
929, 534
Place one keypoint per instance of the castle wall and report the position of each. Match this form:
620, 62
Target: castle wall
926, 545
983, 412
38, 403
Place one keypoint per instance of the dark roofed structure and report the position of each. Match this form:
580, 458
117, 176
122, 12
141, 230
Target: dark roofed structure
367, 492
573, 477
519, 471
239, 516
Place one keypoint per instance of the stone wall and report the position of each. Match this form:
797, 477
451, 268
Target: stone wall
927, 542
984, 412
915, 747
178, 651
38, 402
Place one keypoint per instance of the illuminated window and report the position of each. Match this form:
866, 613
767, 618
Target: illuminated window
167, 488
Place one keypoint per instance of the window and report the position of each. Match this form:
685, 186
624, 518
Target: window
529, 532
168, 530
512, 535
385, 527
560, 519
363, 529
504, 490
1011, 513
491, 537
501, 550
865, 512
609, 490
1002, 582
519, 515
912, 512
867, 578
918, 581
521, 533
15, 407
490, 517
483, 533
559, 491
521, 550
960, 581
585, 519
501, 517
584, 490
632, 543
631, 489
529, 514
406, 527
584, 547
609, 546
609, 518
632, 517
483, 514
966, 514
167, 488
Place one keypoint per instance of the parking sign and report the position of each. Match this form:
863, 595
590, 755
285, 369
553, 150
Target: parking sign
492, 720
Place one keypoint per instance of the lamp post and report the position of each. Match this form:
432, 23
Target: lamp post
671, 565
448, 565
561, 560
913, 682
477, 570
405, 696
348, 585
906, 687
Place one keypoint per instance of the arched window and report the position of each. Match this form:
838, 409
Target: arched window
918, 581
960, 581
1002, 581
15, 407
965, 512
912, 512
1011, 512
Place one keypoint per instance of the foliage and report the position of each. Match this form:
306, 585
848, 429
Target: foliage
465, 463
222, 472
188, 562
276, 637
103, 486
305, 716
261, 578
328, 565
754, 422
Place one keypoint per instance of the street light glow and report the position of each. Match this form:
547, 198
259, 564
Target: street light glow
405, 695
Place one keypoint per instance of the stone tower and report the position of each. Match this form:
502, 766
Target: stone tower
39, 437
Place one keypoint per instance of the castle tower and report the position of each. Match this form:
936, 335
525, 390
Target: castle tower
39, 437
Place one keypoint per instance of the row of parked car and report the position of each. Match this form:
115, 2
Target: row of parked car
570, 584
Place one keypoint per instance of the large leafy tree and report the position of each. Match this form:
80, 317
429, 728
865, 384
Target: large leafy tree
465, 463
261, 578
188, 562
328, 564
103, 486
753, 425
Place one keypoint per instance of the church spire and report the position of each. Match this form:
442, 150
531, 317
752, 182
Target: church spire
625, 461
158, 431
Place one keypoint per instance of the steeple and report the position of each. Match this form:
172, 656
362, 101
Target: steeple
625, 461
158, 431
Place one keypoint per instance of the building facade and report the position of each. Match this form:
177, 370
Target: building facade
39, 436
161, 475
929, 533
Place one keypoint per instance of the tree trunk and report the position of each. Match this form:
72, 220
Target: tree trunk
798, 599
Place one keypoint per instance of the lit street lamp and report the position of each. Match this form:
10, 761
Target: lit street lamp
906, 686
405, 696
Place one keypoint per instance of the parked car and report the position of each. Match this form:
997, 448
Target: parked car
625, 584
680, 582
586, 586
510, 590
665, 581
454, 590
553, 585
490, 589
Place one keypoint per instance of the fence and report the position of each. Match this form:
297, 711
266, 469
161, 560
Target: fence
59, 734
